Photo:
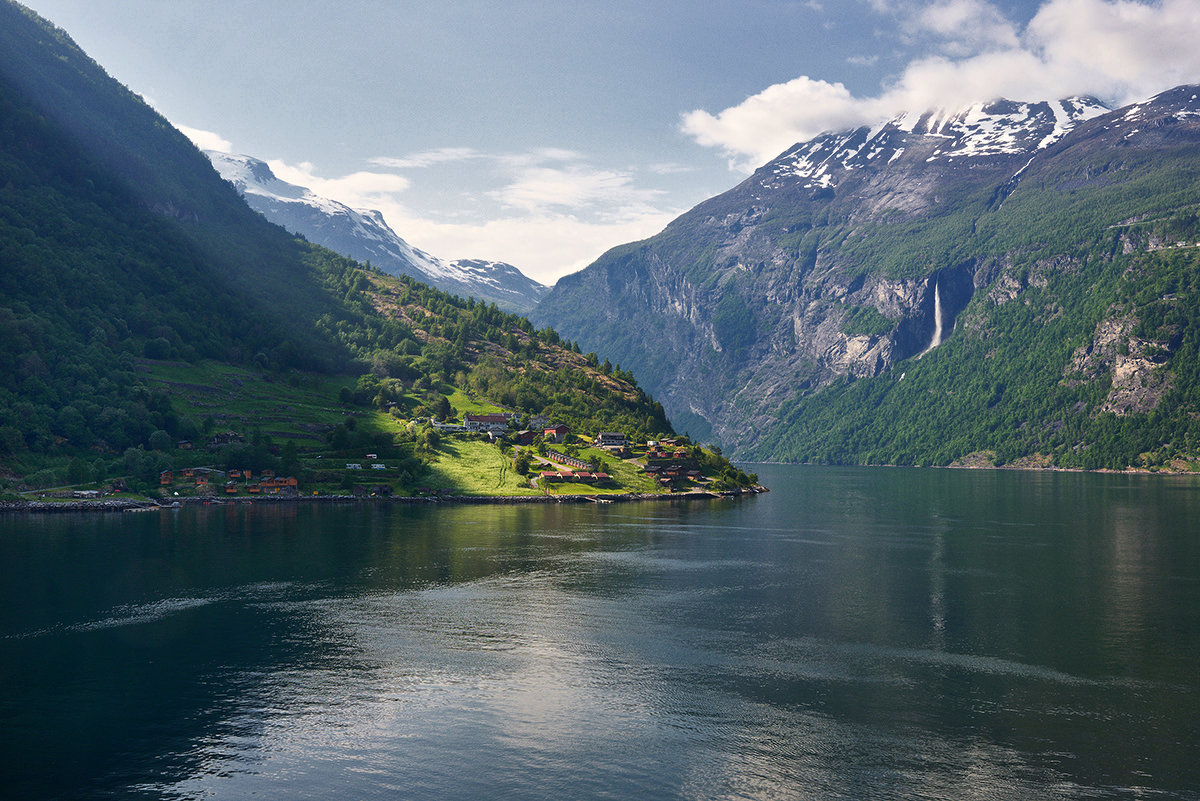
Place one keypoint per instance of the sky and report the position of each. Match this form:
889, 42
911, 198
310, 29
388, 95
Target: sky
544, 132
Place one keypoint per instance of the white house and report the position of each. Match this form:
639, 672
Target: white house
497, 423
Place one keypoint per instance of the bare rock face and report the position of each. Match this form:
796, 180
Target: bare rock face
1133, 365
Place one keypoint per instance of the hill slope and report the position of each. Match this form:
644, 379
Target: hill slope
125, 257
787, 318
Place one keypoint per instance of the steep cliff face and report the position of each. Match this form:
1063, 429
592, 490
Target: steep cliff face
842, 259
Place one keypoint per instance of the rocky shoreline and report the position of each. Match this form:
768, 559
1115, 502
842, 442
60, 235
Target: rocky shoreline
130, 505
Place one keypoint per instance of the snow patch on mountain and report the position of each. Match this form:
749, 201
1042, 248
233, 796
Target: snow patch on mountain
999, 128
363, 234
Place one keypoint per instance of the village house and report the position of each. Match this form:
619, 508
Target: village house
573, 461
584, 476
556, 433
497, 423
225, 438
611, 439
276, 486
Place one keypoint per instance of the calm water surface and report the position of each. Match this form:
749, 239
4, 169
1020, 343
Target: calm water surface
854, 634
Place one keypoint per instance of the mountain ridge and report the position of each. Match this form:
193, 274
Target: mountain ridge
809, 274
363, 234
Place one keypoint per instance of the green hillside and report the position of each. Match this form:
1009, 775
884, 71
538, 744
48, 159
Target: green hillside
1024, 382
150, 321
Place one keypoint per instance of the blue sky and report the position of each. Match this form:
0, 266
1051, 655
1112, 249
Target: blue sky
543, 132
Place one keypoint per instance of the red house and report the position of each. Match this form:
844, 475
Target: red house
557, 433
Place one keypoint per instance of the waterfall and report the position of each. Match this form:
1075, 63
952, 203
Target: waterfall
937, 319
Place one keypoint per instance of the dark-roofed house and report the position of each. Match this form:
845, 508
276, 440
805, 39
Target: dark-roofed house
556, 433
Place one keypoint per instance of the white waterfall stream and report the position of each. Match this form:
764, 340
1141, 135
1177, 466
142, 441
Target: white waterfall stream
937, 320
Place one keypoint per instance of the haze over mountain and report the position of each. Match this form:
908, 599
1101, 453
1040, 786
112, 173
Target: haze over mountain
364, 235
1047, 248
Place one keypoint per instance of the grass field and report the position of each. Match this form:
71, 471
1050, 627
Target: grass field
474, 467
465, 404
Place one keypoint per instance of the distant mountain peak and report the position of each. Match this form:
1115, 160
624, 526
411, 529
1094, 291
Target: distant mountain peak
773, 317
998, 128
363, 234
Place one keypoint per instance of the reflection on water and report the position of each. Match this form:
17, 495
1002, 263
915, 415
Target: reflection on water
855, 633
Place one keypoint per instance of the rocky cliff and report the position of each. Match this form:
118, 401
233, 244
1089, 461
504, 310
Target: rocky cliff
841, 259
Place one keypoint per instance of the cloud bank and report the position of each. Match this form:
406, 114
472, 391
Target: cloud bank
206, 140
1118, 50
549, 211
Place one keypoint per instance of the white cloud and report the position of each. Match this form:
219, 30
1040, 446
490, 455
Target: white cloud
574, 188
1131, 49
771, 121
863, 61
551, 212
967, 26
359, 190
1118, 50
670, 168
428, 158
206, 140
544, 246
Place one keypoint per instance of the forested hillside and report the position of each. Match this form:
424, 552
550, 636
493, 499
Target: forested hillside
132, 277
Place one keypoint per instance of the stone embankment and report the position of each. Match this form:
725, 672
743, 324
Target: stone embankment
126, 505
118, 505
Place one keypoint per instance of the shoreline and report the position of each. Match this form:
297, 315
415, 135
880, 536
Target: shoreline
130, 505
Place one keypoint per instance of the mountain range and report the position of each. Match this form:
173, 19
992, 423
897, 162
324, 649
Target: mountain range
1048, 251
1014, 283
364, 235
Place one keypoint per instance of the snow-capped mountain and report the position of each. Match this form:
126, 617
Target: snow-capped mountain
364, 235
855, 252
1001, 128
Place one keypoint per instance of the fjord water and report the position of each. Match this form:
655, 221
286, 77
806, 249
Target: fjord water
856, 633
